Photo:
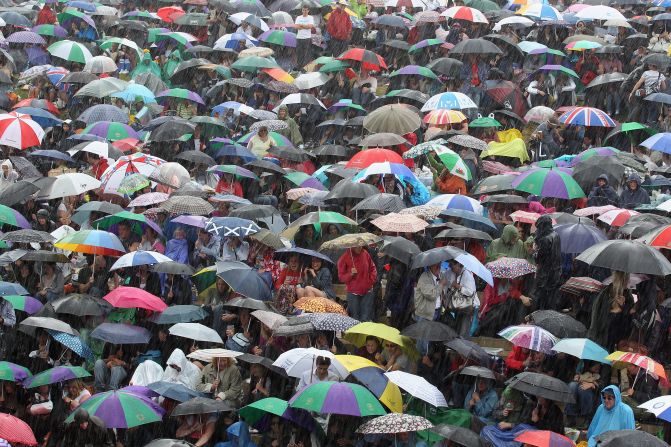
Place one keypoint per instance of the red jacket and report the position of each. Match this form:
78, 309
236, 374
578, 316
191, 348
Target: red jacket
229, 188
366, 276
46, 16
100, 167
339, 25
516, 358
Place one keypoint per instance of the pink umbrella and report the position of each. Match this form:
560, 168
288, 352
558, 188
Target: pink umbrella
130, 297
150, 198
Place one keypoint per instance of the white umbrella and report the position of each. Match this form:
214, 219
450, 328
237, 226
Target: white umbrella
99, 148
299, 360
139, 257
195, 331
520, 21
600, 12
307, 81
417, 387
100, 64
270, 319
208, 355
70, 184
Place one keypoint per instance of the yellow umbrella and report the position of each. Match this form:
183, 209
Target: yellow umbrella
357, 335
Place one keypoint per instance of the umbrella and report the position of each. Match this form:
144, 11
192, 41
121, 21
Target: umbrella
19, 130
26, 304
587, 116
399, 223
337, 398
436, 256
626, 256
119, 409
546, 182
195, 331
319, 305
558, 324
430, 331
173, 268
617, 217
644, 362
231, 226
270, 319
17, 192
541, 385
174, 391
47, 323
544, 438
121, 334
27, 236
185, 313
394, 423
164, 442
138, 258
57, 375
392, 118
347, 189
96, 242
299, 360
449, 100
201, 405
458, 435
350, 241
583, 348
256, 413
13, 373
628, 438
530, 337
367, 157
381, 203
417, 387
70, 51
16, 431
478, 371
331, 321
575, 238
243, 280
317, 218
73, 343
134, 297
475, 46
187, 205
658, 406
470, 351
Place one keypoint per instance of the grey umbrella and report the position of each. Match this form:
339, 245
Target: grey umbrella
171, 130
173, 268
245, 281
294, 326
29, 323
607, 79
558, 324
103, 112
463, 233
382, 203
541, 385
332, 150
399, 248
78, 77
392, 118
430, 331
165, 442
505, 198
17, 192
197, 157
446, 66
458, 435
201, 405
27, 236
346, 189
290, 153
628, 438
495, 183
265, 165
151, 81
253, 212
478, 371
469, 350
384, 139
435, 256
626, 256
475, 46
81, 305
45, 256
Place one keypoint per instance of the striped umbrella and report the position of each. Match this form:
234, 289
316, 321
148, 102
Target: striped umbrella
139, 257
465, 13
449, 100
640, 360
587, 116
279, 37
337, 398
181, 93
50, 30
13, 373
372, 377
28, 37
617, 217
110, 130
426, 43
540, 11
19, 130
545, 182
416, 70
70, 51
24, 303
530, 337
121, 409
57, 375
456, 202
95, 242
441, 116
55, 74
181, 38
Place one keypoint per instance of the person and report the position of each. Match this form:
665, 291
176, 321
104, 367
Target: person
339, 27
393, 358
602, 193
357, 270
76, 395
508, 245
260, 143
321, 373
234, 248
370, 349
548, 262
222, 379
584, 388
651, 81
633, 195
482, 399
610, 319
8, 175
317, 280
180, 370
51, 284
287, 284
428, 299
292, 132
460, 297
612, 414
205, 250
111, 370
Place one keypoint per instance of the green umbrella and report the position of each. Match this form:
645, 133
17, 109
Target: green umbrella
453, 163
414, 70
110, 41
183, 39
334, 66
338, 398
12, 372
323, 60
296, 177
10, 216
56, 375
484, 121
120, 409
483, 5
253, 63
544, 182
133, 183
70, 51
317, 218
423, 44
559, 68
137, 221
628, 129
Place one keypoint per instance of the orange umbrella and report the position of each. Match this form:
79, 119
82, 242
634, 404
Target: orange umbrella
316, 304
642, 361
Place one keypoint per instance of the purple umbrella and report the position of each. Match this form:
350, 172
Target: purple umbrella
139, 390
193, 221
577, 237
119, 409
313, 183
26, 37
121, 334
37, 56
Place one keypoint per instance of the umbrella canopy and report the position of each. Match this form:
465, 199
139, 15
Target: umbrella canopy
583, 348
394, 423
16, 431
575, 238
117, 333
392, 118
417, 387
545, 182
544, 438
558, 324
430, 331
541, 385
530, 337
195, 331
257, 413
458, 435
57, 375
133, 297
628, 438
626, 256
120, 409
337, 398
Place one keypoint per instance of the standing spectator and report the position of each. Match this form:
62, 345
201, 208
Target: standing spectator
548, 261
305, 24
339, 27
357, 270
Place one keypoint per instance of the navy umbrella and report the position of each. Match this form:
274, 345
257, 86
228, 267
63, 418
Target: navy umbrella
471, 220
577, 237
305, 255
244, 280
231, 226
52, 153
40, 116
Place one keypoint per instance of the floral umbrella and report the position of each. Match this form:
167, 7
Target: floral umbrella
510, 268
394, 423
530, 337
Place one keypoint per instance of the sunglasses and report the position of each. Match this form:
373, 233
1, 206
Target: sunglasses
607, 397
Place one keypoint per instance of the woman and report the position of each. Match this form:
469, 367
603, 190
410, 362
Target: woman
306, 238
260, 143
317, 281
150, 241
286, 285
651, 81
461, 296
229, 185
222, 379
178, 247
482, 399
612, 414
584, 388
259, 383
52, 283
28, 277
76, 395
611, 313
177, 290
537, 91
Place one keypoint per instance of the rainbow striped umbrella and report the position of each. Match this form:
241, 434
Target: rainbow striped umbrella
27, 304
337, 398
416, 70
582, 45
121, 409
94, 242
530, 337
552, 182
587, 116
13, 373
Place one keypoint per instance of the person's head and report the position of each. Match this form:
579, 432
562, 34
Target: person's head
204, 236
316, 263
510, 235
179, 233
633, 182
75, 387
456, 267
25, 270
322, 367
357, 250
305, 9
608, 398
258, 370
263, 131
275, 424
303, 341
293, 262
482, 384
389, 182
435, 269
42, 217
43, 389
602, 180
223, 362
391, 347
124, 230
372, 344
49, 268
82, 418
162, 335
321, 339
221, 285
332, 229
308, 232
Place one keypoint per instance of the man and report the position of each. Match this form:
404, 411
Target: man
548, 264
364, 88
321, 373
126, 235
633, 195
357, 270
602, 194
305, 23
508, 245
205, 250
7, 321
86, 431
612, 414
428, 299
339, 27
548, 136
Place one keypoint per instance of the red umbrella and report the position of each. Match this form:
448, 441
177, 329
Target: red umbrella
507, 95
660, 238
130, 297
367, 157
38, 103
170, 13
19, 130
369, 60
126, 145
15, 431
544, 438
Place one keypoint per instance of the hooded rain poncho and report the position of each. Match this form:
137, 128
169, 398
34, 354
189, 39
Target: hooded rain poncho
504, 246
620, 417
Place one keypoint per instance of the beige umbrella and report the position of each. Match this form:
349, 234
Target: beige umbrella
393, 118
400, 223
351, 240
270, 319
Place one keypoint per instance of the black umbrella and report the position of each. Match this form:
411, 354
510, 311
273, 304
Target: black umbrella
201, 405
505, 198
558, 324
100, 207
181, 313
397, 44
165, 442
446, 66
27, 236
430, 331
470, 351
609, 49
78, 77
463, 233
586, 172
186, 69
383, 139
390, 21
197, 157
81, 305
475, 46
172, 130
455, 435
25, 167
566, 219
266, 165
247, 303
626, 256
331, 150
244, 280
45, 256
628, 438
346, 189
400, 249
435, 256
339, 122
637, 230
495, 183
173, 268
658, 59
382, 203
290, 153
17, 192
541, 385
253, 212
500, 40
174, 391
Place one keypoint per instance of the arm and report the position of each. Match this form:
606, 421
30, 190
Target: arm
636, 86
213, 250
344, 269
532, 88
569, 87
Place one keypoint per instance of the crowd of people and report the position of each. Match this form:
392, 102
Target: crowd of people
306, 223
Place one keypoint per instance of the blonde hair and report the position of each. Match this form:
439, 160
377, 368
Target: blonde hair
620, 283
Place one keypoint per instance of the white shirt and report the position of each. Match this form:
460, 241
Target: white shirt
310, 377
304, 20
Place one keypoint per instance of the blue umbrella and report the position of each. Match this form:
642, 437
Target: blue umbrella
231, 226
577, 237
583, 348
471, 220
74, 343
40, 116
471, 264
52, 153
244, 280
659, 142
179, 314
133, 91
37, 56
233, 149
10, 288
174, 391
84, 6
284, 254
121, 334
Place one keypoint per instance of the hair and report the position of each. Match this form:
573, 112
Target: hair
323, 361
372, 338
620, 283
78, 384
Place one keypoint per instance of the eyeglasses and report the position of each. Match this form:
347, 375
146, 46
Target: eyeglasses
607, 397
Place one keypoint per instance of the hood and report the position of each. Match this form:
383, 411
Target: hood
177, 358
238, 434
7, 163
634, 178
509, 232
543, 226
603, 177
616, 392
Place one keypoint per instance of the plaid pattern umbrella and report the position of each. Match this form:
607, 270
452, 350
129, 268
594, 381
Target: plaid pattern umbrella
580, 284
187, 205
394, 423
